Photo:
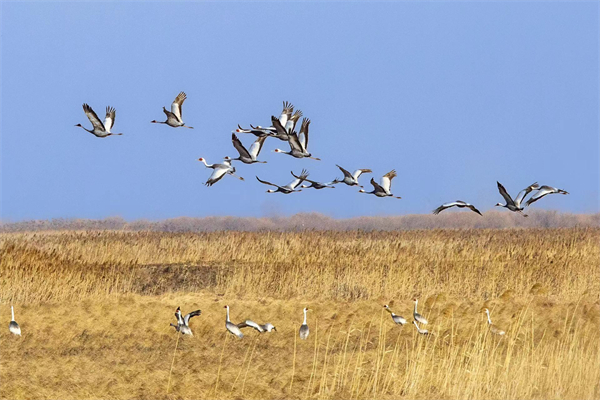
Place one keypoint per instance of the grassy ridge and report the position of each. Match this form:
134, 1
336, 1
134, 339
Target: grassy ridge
95, 307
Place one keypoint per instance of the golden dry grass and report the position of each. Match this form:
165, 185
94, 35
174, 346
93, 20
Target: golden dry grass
95, 309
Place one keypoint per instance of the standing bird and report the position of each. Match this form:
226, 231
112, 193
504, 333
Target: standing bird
220, 170
100, 129
418, 317
383, 189
299, 143
174, 116
304, 331
421, 331
183, 323
248, 156
493, 328
351, 179
457, 203
543, 191
231, 327
290, 187
396, 318
515, 205
13, 327
268, 327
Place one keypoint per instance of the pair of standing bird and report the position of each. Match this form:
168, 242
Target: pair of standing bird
417, 318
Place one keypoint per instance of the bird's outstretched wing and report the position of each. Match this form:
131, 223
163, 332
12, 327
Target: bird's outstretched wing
176, 106
93, 117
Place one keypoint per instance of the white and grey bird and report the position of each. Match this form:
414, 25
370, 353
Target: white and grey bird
383, 188
299, 143
315, 184
418, 317
220, 170
231, 327
100, 129
396, 318
13, 327
304, 331
284, 131
351, 179
544, 191
268, 327
290, 187
421, 331
174, 117
260, 131
515, 205
457, 203
248, 156
493, 328
183, 323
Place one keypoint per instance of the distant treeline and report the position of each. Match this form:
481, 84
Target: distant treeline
316, 221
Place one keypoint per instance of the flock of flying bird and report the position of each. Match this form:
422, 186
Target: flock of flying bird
284, 129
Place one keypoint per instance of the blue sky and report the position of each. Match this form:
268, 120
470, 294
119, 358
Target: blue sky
454, 96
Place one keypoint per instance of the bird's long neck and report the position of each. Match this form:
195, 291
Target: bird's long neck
12, 311
489, 319
304, 323
416, 302
228, 314
207, 165
84, 128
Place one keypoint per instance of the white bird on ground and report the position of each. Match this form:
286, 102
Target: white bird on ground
100, 129
418, 317
351, 179
268, 327
493, 328
231, 327
248, 156
13, 327
383, 188
183, 323
543, 191
457, 203
396, 318
299, 143
220, 170
174, 116
515, 205
421, 331
290, 187
304, 331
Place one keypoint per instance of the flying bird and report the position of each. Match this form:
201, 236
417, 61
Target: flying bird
515, 205
100, 129
290, 187
220, 170
351, 179
457, 203
174, 116
248, 156
260, 131
383, 188
299, 143
543, 191
183, 323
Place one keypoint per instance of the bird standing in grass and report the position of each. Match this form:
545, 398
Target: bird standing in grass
231, 327
183, 322
493, 328
304, 331
396, 318
13, 327
418, 317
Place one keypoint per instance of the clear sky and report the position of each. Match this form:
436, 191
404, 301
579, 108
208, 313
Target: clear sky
453, 95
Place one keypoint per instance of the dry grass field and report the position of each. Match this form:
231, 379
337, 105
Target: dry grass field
95, 308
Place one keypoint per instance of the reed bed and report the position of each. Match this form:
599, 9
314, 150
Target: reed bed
95, 309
